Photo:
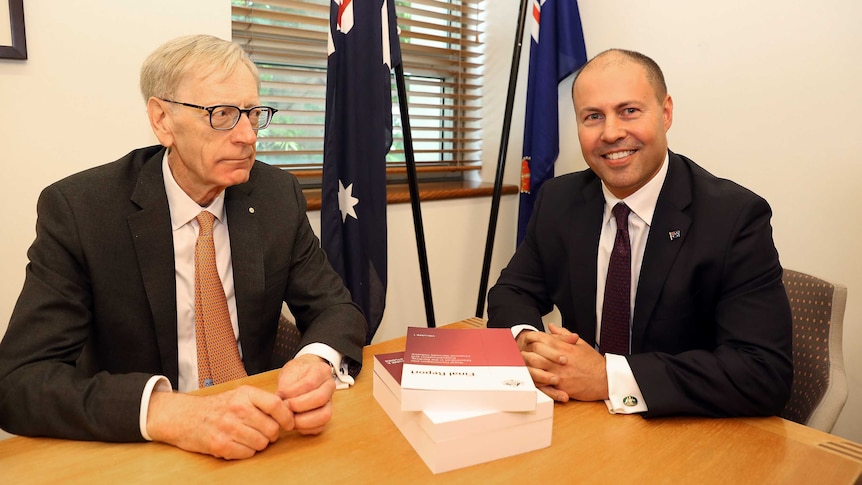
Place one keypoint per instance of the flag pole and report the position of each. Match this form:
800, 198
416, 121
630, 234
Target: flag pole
501, 160
414, 195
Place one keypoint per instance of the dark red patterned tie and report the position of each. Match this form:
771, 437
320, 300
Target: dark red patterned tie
616, 307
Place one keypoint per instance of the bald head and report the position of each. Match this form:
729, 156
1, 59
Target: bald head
612, 57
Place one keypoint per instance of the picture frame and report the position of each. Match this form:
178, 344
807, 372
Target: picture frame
13, 29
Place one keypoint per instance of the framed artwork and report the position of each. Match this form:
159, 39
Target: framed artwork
13, 42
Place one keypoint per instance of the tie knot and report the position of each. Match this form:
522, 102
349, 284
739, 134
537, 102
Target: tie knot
205, 219
621, 213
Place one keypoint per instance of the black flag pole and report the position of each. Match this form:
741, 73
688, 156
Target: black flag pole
501, 160
414, 195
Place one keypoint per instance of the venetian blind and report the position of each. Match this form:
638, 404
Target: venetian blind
442, 52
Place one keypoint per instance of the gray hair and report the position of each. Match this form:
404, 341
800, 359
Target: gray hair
169, 64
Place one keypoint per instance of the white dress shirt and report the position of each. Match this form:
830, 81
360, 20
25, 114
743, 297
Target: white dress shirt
185, 228
621, 381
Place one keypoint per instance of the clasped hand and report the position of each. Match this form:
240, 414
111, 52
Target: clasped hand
240, 422
563, 366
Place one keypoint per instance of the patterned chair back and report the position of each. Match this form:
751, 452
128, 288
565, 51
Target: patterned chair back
286, 341
819, 388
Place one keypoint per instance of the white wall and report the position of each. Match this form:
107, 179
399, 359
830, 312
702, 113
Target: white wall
455, 232
766, 94
763, 96
75, 104
80, 84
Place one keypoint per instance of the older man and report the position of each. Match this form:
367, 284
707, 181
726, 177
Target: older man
167, 269
666, 277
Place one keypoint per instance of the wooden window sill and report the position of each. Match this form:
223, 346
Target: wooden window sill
400, 193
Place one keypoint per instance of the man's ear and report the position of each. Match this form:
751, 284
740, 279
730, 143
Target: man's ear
667, 112
160, 121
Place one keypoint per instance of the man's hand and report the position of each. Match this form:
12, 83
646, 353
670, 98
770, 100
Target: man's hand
306, 385
231, 425
563, 366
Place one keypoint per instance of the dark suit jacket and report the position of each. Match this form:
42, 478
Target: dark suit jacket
97, 316
711, 330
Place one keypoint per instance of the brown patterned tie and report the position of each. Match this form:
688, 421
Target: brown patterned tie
616, 307
218, 354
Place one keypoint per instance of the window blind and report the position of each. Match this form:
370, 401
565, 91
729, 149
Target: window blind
442, 52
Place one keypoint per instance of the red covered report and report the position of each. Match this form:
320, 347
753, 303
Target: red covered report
466, 369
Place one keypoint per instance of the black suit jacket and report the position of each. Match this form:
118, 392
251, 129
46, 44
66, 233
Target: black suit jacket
97, 316
711, 330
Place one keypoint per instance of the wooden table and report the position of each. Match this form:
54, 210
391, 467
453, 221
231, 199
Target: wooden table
361, 445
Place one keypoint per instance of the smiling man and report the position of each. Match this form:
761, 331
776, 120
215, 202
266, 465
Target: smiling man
666, 277
167, 270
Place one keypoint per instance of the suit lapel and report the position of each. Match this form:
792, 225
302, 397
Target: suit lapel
243, 215
151, 229
662, 249
584, 233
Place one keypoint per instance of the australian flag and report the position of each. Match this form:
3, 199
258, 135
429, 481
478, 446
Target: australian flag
363, 49
556, 51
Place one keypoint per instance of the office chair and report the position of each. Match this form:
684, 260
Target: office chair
819, 388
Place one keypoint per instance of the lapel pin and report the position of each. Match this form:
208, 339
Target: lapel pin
674, 234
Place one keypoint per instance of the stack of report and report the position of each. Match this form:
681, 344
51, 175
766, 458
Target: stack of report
462, 397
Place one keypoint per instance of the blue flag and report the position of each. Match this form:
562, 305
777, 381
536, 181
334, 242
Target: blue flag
363, 49
556, 51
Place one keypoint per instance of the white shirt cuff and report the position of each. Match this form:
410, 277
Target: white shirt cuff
624, 394
517, 329
157, 384
336, 359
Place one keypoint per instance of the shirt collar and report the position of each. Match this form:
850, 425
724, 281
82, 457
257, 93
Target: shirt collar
183, 209
644, 200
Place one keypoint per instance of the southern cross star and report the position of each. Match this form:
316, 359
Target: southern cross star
346, 201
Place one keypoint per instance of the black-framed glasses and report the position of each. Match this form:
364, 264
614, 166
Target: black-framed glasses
224, 116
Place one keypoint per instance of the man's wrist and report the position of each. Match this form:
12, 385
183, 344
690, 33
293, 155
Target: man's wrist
518, 331
335, 359
624, 394
155, 384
